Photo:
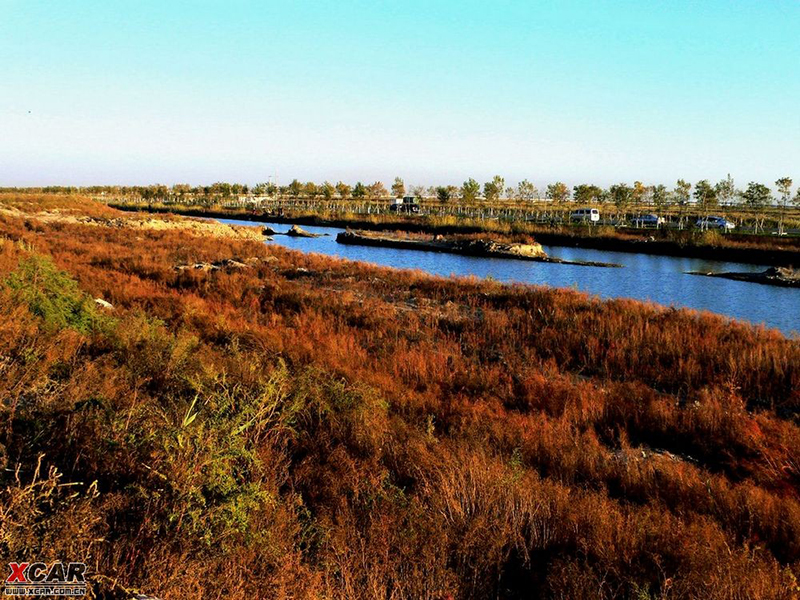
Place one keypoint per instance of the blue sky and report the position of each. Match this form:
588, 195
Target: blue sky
136, 92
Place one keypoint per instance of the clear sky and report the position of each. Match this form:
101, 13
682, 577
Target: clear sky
140, 91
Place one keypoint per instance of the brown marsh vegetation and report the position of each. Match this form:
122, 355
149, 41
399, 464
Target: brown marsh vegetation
306, 427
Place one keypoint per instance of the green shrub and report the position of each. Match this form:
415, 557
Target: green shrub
54, 296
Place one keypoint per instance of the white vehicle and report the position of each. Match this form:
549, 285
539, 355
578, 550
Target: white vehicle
647, 221
715, 223
585, 215
409, 204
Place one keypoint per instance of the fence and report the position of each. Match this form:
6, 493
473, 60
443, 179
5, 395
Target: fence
546, 213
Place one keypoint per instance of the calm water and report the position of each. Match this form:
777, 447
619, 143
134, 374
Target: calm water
661, 279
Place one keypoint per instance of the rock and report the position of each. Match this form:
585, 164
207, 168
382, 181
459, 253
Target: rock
780, 276
531, 250
226, 263
229, 263
486, 247
296, 231
782, 273
198, 267
103, 304
269, 231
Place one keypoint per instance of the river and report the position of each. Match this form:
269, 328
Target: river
659, 279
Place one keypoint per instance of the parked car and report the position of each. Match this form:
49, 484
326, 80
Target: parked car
647, 221
409, 204
712, 222
585, 215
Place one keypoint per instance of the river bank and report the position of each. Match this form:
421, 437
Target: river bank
685, 244
646, 277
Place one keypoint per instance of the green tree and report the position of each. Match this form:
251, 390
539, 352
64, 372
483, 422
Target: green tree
343, 190
660, 196
181, 189
639, 192
681, 194
470, 190
494, 188
221, 188
295, 188
784, 185
398, 188
621, 195
586, 193
311, 190
757, 195
328, 190
705, 194
265, 189
443, 194
557, 192
726, 191
527, 191
359, 190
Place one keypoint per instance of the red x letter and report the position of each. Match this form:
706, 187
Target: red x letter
17, 572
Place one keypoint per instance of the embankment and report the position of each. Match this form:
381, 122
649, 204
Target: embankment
686, 244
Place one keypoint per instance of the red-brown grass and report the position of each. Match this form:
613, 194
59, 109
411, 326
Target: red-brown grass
308, 427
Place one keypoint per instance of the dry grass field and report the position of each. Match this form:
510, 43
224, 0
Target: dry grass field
298, 426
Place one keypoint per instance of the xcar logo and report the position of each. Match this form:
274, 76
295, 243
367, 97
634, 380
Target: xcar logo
42, 579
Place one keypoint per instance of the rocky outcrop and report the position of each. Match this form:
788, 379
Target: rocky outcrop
229, 264
780, 276
103, 304
296, 231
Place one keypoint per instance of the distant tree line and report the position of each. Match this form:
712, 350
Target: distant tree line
702, 194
